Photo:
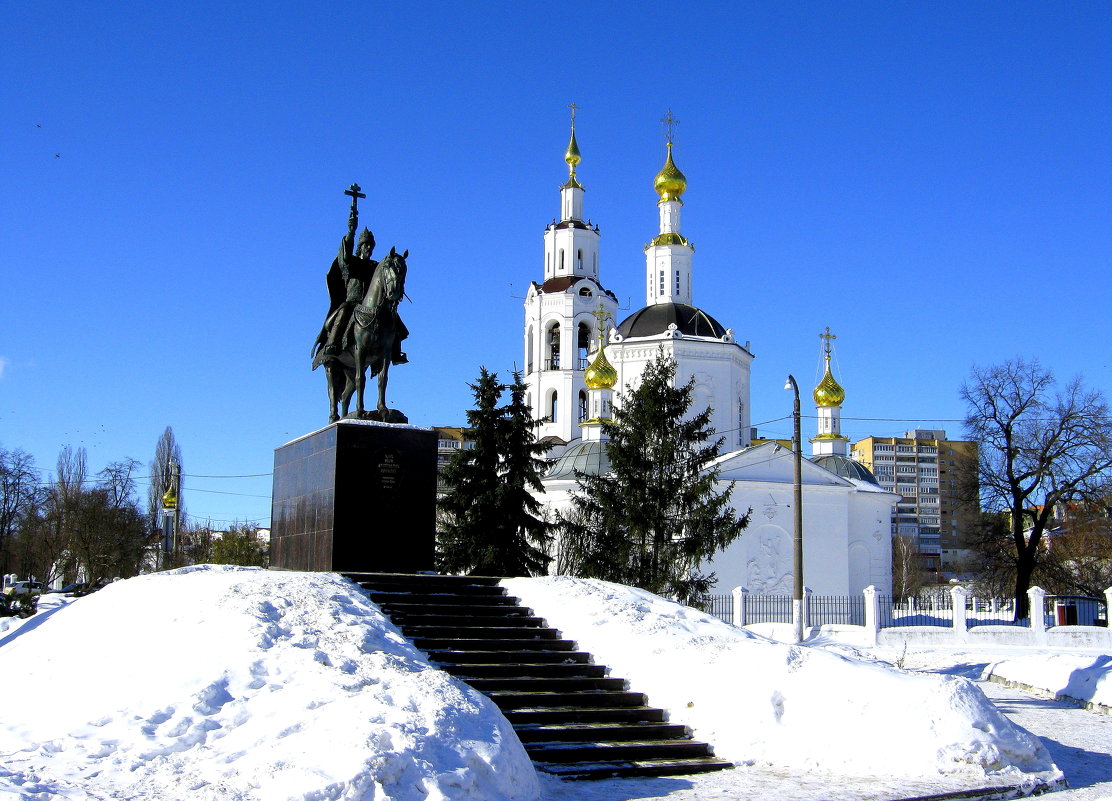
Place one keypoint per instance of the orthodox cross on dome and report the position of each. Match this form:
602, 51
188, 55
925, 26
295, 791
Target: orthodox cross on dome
670, 124
602, 315
828, 337
573, 108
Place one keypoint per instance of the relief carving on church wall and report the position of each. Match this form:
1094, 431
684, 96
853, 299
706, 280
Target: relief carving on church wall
768, 570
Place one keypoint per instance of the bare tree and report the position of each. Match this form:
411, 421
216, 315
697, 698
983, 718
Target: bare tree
1038, 448
167, 452
908, 576
1078, 556
20, 497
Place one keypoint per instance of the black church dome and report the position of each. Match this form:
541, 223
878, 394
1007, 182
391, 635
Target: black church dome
689, 321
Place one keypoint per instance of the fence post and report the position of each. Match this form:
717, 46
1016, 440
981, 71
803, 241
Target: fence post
960, 623
806, 607
1108, 614
872, 615
740, 597
1036, 598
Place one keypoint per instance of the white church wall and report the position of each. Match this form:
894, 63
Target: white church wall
840, 546
720, 370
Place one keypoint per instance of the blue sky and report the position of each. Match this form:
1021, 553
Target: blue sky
931, 180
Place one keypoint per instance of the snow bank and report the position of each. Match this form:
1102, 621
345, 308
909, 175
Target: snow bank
757, 701
1070, 675
234, 683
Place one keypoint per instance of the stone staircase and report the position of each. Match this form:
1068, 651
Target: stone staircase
573, 719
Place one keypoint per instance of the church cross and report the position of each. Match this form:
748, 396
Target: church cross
573, 108
829, 338
670, 124
602, 315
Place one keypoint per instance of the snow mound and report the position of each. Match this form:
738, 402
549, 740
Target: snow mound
237, 683
1086, 678
762, 702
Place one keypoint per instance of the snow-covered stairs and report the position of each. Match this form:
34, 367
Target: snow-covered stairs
573, 719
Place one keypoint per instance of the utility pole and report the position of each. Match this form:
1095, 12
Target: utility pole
797, 533
170, 518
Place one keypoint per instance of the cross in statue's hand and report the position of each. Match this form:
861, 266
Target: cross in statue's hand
355, 194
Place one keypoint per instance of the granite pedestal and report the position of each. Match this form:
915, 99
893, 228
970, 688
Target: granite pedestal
355, 496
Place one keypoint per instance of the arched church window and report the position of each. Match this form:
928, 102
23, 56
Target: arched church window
579, 259
582, 406
554, 408
582, 345
529, 351
561, 259
553, 346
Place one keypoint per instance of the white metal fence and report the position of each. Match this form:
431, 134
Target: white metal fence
1076, 620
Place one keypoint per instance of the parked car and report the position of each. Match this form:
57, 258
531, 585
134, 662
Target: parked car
24, 587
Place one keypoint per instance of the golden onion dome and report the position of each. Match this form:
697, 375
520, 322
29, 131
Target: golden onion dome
829, 393
670, 183
573, 158
601, 373
169, 499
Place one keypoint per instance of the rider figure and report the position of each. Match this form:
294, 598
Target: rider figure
347, 280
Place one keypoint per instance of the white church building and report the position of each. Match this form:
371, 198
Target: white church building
574, 362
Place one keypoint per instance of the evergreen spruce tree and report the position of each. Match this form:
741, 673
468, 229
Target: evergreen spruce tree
488, 519
658, 513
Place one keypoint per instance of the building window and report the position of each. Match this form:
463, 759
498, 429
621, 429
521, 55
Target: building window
582, 406
561, 259
661, 289
579, 260
529, 351
554, 408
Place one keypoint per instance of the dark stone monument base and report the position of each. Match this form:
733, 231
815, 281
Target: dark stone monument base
355, 496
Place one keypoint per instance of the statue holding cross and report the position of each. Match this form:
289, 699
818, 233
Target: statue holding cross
362, 330
347, 281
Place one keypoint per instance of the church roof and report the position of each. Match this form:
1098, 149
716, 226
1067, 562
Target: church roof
845, 467
655, 319
585, 456
566, 282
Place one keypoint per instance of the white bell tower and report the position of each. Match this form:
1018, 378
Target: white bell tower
560, 327
668, 255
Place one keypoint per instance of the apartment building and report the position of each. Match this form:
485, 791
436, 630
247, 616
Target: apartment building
449, 440
922, 467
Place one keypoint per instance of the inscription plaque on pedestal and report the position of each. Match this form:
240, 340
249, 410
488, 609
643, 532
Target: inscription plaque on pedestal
355, 496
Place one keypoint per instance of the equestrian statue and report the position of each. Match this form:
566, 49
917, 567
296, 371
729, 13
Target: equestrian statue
362, 328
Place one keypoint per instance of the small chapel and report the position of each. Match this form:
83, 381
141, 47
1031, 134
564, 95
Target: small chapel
576, 366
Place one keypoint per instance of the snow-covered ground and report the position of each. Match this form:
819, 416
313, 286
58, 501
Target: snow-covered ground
222, 683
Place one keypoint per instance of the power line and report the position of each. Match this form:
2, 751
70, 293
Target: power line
248, 475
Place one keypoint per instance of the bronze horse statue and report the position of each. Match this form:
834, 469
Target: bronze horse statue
375, 330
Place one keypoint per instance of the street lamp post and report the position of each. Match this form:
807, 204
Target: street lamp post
797, 533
